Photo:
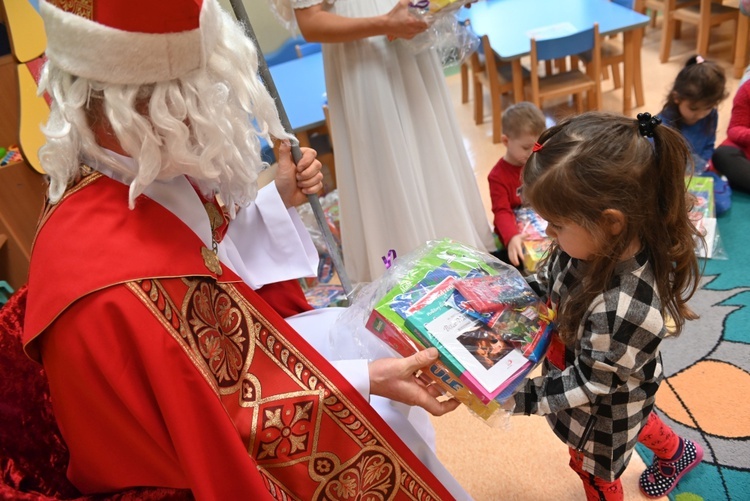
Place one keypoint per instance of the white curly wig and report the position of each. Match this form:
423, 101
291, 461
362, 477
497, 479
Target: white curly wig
204, 123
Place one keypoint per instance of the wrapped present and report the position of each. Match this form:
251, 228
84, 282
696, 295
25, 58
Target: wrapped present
488, 357
484, 354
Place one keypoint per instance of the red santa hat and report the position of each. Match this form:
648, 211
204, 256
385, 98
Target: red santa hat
131, 41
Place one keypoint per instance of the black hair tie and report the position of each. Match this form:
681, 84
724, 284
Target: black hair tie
647, 124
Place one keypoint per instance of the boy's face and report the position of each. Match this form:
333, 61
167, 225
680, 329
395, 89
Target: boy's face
518, 147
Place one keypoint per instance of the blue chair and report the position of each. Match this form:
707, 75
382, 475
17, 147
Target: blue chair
572, 81
307, 49
286, 51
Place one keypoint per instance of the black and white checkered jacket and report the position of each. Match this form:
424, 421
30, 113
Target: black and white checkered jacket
612, 371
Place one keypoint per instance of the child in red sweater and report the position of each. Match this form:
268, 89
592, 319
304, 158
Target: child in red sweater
522, 124
732, 158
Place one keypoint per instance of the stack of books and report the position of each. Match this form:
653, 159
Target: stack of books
488, 325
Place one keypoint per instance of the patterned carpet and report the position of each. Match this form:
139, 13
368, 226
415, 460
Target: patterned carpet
705, 396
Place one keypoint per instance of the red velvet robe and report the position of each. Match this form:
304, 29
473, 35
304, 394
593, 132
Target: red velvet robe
164, 374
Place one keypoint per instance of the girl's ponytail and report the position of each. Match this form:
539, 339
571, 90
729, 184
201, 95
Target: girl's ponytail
678, 234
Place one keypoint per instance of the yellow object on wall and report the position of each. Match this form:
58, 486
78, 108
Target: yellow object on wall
25, 27
34, 113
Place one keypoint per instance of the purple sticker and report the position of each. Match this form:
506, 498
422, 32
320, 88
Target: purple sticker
421, 4
388, 258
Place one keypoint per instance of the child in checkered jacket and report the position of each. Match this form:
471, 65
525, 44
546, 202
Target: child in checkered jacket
622, 260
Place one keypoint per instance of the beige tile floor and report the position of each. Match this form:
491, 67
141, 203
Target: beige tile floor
525, 461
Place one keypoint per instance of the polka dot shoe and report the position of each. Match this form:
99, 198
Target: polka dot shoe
662, 476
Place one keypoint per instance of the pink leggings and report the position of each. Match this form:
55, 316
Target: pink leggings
655, 435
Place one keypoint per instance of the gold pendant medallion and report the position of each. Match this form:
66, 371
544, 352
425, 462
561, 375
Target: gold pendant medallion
211, 260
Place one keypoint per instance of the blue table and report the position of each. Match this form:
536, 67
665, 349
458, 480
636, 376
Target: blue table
302, 88
510, 24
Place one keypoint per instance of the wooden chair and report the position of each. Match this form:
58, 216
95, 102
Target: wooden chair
704, 15
495, 75
613, 54
656, 6
465, 67
307, 49
572, 81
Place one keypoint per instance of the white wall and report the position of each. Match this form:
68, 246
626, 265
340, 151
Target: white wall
268, 30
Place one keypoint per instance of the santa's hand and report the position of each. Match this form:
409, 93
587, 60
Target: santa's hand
295, 182
394, 378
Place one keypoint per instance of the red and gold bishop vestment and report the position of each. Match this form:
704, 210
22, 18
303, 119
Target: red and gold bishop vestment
165, 374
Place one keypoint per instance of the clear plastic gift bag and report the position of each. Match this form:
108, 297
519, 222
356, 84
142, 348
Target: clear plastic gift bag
417, 304
452, 39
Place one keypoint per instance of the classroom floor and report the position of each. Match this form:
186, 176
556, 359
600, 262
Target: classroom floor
525, 461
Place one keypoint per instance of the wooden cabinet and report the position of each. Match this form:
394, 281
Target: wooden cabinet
21, 188
21, 200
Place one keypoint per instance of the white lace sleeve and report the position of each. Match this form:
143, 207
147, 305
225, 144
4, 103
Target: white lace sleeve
284, 10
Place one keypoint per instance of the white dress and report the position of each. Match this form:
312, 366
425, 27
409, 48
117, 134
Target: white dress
402, 171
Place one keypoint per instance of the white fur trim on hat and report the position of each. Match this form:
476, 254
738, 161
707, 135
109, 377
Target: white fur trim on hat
91, 50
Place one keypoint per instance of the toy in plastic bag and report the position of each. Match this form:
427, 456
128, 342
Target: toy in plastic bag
703, 216
330, 205
453, 40
413, 306
535, 242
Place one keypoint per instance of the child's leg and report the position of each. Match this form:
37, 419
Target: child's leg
596, 488
733, 163
659, 437
674, 457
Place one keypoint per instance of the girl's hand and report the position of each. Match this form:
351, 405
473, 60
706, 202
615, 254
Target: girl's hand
295, 182
400, 23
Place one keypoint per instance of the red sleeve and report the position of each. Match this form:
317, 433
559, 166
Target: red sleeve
134, 410
286, 297
501, 198
739, 123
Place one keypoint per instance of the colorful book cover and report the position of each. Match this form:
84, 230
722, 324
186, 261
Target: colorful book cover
481, 351
443, 376
484, 361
